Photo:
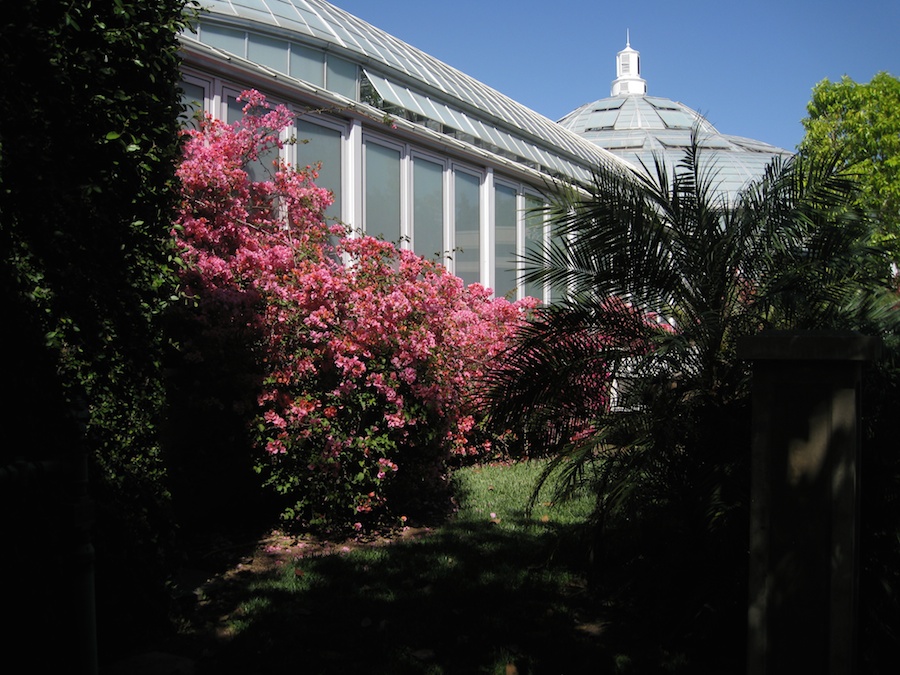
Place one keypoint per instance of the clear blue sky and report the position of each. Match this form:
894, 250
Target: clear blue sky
748, 66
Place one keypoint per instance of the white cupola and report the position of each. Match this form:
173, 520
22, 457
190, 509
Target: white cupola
628, 72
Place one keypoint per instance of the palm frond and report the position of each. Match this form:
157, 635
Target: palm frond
663, 275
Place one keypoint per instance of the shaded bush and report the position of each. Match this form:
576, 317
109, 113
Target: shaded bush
88, 142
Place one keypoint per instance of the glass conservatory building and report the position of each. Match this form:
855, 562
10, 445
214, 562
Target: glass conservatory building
414, 150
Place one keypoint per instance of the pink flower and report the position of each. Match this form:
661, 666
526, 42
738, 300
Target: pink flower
275, 419
275, 447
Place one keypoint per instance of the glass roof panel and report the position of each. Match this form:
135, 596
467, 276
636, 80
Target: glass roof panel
608, 104
533, 154
714, 142
451, 117
489, 133
504, 142
439, 112
387, 91
624, 142
514, 144
257, 5
605, 119
412, 101
674, 142
751, 144
464, 122
661, 103
297, 16
253, 9
636, 118
675, 119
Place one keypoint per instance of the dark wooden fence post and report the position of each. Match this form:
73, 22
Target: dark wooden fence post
802, 614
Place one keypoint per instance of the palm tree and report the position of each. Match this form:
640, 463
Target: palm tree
632, 383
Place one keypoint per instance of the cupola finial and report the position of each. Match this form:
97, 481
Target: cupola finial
628, 71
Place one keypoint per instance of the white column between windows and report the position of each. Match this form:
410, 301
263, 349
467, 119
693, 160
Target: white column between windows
353, 177
449, 196
486, 230
406, 197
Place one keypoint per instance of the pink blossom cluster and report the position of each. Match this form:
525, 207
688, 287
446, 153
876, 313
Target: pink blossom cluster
369, 351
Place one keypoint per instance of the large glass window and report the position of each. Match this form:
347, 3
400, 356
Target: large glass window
317, 144
307, 64
467, 217
263, 167
557, 292
382, 201
505, 262
268, 51
428, 209
192, 96
342, 77
534, 238
227, 39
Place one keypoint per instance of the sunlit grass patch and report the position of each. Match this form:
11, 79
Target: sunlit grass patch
505, 491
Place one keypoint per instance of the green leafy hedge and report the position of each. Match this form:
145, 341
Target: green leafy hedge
88, 143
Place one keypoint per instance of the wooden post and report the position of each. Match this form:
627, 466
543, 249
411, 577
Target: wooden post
802, 612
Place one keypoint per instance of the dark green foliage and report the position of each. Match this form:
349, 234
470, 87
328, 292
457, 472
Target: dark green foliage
879, 638
665, 276
862, 121
212, 384
88, 142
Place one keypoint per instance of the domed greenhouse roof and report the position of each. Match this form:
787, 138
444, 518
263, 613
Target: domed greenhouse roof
638, 127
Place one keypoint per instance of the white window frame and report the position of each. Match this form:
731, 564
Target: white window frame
343, 129
525, 196
517, 188
205, 83
446, 206
480, 174
384, 141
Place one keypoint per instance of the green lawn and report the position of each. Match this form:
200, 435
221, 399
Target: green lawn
493, 590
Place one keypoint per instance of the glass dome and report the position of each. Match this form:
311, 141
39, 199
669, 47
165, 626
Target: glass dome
638, 127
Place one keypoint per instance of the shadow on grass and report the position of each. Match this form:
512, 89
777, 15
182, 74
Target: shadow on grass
473, 597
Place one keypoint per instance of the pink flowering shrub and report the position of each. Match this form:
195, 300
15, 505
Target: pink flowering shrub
367, 353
